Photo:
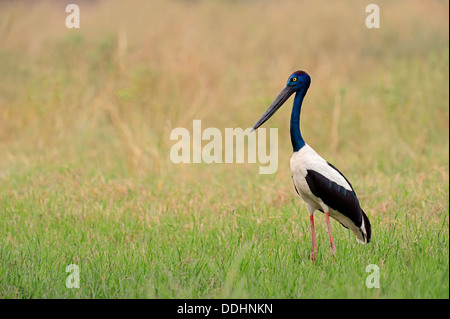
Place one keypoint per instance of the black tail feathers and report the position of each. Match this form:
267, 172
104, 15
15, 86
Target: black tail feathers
368, 228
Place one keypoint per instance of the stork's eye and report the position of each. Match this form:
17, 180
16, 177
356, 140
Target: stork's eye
294, 79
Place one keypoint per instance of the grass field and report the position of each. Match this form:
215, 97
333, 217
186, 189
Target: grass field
86, 177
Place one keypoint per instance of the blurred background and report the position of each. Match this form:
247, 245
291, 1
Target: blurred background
101, 100
86, 116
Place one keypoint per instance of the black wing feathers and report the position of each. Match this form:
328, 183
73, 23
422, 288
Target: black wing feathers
335, 196
333, 167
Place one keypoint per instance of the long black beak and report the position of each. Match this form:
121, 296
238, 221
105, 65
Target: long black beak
276, 104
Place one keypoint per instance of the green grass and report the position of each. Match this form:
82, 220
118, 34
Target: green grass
86, 179
129, 247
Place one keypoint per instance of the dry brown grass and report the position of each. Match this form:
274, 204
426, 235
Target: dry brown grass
104, 98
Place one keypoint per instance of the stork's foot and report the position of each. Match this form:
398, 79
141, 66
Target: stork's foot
332, 250
313, 254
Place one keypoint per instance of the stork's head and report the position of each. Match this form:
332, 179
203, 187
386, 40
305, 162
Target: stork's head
299, 81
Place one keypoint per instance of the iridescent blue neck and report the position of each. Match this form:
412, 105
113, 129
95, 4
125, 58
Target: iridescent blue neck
296, 137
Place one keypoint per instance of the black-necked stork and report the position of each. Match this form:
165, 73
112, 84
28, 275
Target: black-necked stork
321, 185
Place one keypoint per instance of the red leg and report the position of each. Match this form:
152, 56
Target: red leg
333, 247
313, 238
